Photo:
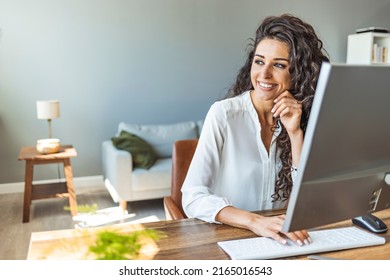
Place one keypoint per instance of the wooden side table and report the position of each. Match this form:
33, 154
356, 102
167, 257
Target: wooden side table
50, 190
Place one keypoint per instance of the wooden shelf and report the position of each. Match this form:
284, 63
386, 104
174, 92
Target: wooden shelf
51, 190
361, 47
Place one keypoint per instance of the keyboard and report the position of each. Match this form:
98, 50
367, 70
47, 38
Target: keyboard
322, 241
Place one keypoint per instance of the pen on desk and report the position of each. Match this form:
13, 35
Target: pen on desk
317, 257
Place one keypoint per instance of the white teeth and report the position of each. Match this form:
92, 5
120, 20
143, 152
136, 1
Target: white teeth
265, 85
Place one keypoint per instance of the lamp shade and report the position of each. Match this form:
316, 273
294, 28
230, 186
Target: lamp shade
48, 110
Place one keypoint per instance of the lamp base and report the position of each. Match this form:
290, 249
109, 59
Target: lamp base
48, 146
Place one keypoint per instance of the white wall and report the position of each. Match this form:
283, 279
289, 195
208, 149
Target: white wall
142, 61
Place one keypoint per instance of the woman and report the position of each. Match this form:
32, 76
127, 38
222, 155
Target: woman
251, 142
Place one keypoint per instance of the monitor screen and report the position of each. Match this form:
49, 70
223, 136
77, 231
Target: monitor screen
346, 151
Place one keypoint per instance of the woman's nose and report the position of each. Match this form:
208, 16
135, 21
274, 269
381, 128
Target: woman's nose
266, 71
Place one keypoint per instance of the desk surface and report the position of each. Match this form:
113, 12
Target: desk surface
187, 239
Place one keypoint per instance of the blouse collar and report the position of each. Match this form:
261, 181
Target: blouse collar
255, 117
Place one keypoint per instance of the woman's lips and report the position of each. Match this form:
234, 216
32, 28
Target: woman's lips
266, 86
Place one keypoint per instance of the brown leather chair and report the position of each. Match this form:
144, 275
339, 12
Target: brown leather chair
183, 151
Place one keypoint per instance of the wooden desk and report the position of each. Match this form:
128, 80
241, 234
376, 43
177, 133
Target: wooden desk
186, 239
40, 191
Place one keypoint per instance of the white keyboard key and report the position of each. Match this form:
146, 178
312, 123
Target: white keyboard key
322, 241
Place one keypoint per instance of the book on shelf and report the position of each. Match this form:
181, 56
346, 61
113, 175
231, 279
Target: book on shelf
379, 54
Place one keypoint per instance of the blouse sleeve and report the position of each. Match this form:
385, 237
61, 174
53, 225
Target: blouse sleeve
198, 199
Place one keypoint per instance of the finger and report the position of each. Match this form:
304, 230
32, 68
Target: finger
278, 237
290, 100
284, 94
306, 235
299, 237
286, 107
289, 111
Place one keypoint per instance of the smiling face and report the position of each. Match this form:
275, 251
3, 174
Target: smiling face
270, 69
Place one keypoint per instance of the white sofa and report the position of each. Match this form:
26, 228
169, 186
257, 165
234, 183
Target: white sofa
126, 183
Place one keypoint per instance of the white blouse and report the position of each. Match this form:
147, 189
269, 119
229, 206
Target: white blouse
231, 165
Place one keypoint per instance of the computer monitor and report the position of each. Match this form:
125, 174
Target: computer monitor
346, 151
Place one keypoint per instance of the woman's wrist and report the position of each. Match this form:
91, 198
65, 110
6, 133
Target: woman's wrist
296, 134
296, 140
237, 217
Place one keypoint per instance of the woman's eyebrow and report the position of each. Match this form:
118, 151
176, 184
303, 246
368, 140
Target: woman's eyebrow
277, 58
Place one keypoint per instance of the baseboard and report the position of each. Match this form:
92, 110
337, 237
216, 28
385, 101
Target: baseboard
80, 183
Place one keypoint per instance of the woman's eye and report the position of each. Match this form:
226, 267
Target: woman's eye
259, 62
280, 65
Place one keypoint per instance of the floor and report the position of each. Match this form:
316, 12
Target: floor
51, 214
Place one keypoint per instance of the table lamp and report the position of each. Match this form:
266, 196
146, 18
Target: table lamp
48, 110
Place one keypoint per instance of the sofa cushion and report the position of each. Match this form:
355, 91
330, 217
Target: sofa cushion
157, 177
142, 153
162, 137
200, 126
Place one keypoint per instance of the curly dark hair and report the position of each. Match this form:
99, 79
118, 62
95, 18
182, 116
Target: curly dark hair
306, 56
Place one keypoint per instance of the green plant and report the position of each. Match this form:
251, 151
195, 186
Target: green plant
86, 208
112, 245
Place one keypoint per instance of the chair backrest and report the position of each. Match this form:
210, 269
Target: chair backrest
182, 153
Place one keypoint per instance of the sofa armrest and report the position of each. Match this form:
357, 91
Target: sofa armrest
117, 169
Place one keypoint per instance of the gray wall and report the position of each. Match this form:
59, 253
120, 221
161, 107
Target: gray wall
141, 61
